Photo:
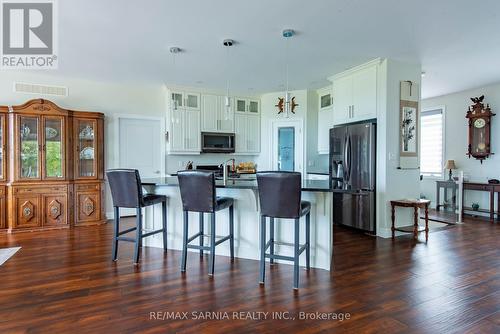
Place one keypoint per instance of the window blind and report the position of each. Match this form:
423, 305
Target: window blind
431, 143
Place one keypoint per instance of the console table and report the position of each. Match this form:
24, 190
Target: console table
491, 189
446, 185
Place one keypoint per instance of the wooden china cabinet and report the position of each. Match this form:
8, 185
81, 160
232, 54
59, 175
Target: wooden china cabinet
52, 167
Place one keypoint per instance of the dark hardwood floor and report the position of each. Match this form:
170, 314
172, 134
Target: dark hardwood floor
64, 281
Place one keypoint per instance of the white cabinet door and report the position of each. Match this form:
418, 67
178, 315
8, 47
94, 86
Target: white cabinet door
253, 134
192, 134
325, 123
209, 113
325, 98
342, 93
225, 118
192, 101
240, 132
253, 106
176, 134
241, 105
364, 94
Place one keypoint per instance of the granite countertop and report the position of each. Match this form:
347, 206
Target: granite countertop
171, 181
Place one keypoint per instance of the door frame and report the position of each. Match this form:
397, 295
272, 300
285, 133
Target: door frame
161, 138
298, 124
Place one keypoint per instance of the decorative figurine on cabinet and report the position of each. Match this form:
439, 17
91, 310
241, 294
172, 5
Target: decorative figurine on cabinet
479, 116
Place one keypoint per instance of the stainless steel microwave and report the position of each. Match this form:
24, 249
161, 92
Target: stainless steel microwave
214, 142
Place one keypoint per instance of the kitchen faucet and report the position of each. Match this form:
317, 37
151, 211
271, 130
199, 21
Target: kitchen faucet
224, 170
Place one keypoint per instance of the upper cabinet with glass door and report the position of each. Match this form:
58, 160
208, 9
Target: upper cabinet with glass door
245, 105
40, 147
28, 148
325, 98
185, 100
86, 146
53, 150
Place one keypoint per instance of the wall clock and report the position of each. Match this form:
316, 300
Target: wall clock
479, 136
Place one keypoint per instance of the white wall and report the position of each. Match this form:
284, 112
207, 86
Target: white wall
456, 141
108, 98
392, 183
269, 114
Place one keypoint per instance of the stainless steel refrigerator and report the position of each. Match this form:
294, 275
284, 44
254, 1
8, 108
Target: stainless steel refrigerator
352, 173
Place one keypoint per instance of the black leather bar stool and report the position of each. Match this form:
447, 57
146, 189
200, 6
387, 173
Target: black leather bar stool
198, 195
126, 190
280, 197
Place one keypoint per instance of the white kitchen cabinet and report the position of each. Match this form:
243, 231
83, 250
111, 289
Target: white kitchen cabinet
214, 116
245, 105
247, 133
186, 100
184, 131
225, 118
355, 95
253, 134
325, 123
240, 133
209, 113
192, 131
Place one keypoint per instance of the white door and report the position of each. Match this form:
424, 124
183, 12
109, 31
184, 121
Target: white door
140, 146
288, 146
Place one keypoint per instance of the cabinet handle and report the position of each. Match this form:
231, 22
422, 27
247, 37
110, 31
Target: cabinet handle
352, 111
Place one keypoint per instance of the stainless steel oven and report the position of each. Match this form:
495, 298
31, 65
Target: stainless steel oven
214, 142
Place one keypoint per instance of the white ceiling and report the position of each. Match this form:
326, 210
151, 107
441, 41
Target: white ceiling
457, 41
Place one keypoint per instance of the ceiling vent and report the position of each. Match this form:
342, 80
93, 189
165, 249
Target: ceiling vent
20, 87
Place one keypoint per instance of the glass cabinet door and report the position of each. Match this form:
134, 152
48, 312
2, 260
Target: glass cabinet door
253, 107
53, 147
86, 132
29, 164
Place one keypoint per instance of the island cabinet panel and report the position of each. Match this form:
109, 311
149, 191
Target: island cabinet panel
45, 153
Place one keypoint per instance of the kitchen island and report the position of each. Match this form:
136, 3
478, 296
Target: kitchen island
246, 219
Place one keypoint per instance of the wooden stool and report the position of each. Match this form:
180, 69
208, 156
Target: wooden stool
416, 204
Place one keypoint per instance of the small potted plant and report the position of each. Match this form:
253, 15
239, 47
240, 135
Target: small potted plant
475, 206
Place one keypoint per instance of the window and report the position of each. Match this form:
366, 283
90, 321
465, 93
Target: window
431, 142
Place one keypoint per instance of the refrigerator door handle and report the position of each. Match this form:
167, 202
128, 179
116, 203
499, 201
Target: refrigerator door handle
349, 158
346, 166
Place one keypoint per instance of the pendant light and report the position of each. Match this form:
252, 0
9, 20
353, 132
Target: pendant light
174, 50
227, 99
287, 34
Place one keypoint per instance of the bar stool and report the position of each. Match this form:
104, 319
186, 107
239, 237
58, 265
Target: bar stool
126, 190
198, 195
280, 197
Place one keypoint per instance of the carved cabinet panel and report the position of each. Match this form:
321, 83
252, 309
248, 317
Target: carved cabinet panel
56, 209
88, 203
28, 213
